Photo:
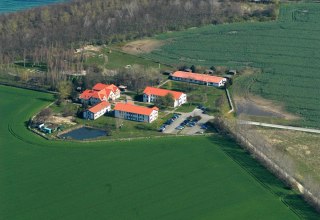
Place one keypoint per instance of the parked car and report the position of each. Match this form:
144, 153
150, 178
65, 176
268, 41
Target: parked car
191, 124
205, 127
199, 132
169, 121
180, 127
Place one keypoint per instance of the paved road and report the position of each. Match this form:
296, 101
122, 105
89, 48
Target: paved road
317, 131
188, 130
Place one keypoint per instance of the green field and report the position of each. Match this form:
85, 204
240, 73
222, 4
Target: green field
166, 178
288, 51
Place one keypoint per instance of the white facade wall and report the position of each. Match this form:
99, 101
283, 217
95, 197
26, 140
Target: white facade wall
93, 116
153, 116
151, 98
220, 84
136, 117
182, 99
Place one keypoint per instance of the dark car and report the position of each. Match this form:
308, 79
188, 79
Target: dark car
191, 124
180, 127
205, 127
183, 123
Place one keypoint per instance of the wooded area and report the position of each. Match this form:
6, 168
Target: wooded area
49, 35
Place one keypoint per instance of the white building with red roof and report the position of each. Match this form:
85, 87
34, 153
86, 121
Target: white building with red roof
97, 110
150, 94
135, 113
198, 78
100, 92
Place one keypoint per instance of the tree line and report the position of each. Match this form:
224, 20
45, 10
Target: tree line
50, 34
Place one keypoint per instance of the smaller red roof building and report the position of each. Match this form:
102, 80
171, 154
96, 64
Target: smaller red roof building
150, 94
97, 111
99, 107
162, 92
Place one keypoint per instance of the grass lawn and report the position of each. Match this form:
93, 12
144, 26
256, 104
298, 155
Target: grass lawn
162, 178
198, 95
118, 59
129, 129
287, 50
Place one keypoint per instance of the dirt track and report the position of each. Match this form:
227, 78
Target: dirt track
142, 46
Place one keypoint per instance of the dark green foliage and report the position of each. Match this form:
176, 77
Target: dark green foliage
164, 101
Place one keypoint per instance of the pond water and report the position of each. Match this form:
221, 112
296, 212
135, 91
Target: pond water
84, 133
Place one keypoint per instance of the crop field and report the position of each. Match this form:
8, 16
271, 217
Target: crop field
288, 51
164, 178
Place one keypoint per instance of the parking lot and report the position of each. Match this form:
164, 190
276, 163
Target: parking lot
193, 128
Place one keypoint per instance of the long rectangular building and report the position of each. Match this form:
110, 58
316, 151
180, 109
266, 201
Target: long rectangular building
135, 113
198, 78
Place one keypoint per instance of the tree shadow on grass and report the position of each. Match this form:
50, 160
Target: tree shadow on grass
289, 197
45, 99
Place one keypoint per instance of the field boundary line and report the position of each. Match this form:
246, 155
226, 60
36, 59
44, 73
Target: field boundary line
28, 88
309, 130
229, 101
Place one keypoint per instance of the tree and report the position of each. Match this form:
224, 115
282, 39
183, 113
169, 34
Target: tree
164, 101
193, 68
64, 88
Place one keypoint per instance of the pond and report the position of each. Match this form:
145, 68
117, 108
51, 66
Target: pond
84, 133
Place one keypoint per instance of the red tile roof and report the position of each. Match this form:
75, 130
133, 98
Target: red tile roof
198, 76
99, 91
113, 88
126, 107
101, 86
162, 92
99, 94
99, 107
87, 94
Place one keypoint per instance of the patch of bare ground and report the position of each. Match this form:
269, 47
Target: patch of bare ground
248, 104
142, 46
60, 120
303, 148
257, 106
250, 7
89, 48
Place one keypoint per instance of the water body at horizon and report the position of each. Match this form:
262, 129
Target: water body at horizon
7, 6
